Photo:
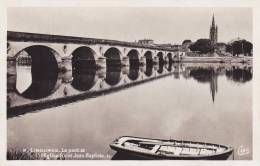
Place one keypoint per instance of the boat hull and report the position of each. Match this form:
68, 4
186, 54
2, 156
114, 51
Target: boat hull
129, 152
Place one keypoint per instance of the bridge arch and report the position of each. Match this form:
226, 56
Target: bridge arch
41, 71
169, 56
149, 58
42, 58
113, 57
83, 58
160, 57
133, 55
15, 48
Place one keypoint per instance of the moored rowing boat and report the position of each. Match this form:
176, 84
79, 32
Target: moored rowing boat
170, 149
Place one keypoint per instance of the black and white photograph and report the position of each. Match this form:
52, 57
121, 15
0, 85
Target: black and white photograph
129, 83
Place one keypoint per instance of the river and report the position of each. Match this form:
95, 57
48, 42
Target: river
191, 101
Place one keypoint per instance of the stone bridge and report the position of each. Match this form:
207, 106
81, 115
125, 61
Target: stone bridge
64, 53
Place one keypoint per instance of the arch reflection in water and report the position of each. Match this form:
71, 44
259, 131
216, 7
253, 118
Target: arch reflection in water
149, 70
41, 86
160, 70
41, 81
83, 80
133, 73
113, 75
169, 66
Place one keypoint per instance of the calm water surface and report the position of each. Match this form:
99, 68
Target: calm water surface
199, 102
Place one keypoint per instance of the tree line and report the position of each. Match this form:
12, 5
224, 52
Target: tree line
235, 48
240, 47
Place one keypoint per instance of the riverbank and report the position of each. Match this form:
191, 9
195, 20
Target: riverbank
218, 59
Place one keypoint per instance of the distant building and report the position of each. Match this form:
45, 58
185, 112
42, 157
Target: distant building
146, 41
24, 58
213, 34
176, 46
167, 45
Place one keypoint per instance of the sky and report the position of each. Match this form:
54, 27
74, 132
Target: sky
162, 24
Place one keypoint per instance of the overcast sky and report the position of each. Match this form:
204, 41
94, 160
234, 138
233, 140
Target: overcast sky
163, 24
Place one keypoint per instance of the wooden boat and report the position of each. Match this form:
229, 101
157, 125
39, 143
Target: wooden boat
170, 149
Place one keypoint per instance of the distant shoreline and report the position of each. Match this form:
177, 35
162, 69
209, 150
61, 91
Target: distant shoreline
217, 59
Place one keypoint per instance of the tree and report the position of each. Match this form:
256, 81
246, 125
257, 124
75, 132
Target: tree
187, 41
202, 45
248, 46
240, 47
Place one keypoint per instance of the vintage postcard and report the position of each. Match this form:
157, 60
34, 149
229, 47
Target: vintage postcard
130, 82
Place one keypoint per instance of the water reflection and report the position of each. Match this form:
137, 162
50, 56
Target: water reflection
133, 73
202, 75
239, 75
92, 82
210, 74
169, 66
161, 67
187, 106
84, 80
176, 70
33, 85
24, 77
149, 70
113, 75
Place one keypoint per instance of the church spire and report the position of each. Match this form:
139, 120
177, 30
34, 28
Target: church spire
213, 21
213, 35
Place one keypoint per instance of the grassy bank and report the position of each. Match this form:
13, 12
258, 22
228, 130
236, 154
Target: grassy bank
18, 154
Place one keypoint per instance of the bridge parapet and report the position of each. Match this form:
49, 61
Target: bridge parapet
25, 37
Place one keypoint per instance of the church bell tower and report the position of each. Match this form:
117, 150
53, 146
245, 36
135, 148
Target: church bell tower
213, 34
